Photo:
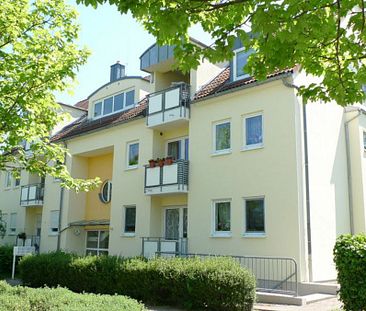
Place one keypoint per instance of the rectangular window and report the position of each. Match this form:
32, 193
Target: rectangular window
13, 223
118, 102
254, 216
133, 155
178, 149
97, 242
222, 218
364, 141
130, 98
54, 220
130, 219
17, 179
222, 137
253, 131
108, 105
4, 220
239, 62
8, 179
97, 109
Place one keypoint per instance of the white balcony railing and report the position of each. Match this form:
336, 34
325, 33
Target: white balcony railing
151, 246
168, 106
32, 195
166, 179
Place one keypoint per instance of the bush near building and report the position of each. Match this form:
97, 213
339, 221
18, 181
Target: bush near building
6, 259
213, 284
60, 299
350, 260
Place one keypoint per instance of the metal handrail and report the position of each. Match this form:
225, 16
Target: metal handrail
281, 275
39, 195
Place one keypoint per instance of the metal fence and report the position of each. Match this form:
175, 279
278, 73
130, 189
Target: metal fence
273, 274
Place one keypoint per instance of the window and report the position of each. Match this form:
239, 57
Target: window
97, 242
4, 220
13, 223
240, 60
54, 222
112, 104
178, 149
106, 192
8, 179
253, 131
17, 181
254, 216
130, 220
222, 137
222, 218
364, 141
133, 155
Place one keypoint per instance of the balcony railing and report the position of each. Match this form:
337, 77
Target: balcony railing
166, 179
32, 195
151, 246
169, 105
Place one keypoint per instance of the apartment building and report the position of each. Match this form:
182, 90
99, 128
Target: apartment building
211, 161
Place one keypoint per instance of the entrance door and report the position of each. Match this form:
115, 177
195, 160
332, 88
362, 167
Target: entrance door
172, 223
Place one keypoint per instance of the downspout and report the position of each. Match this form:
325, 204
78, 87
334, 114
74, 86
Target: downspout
349, 171
61, 207
307, 184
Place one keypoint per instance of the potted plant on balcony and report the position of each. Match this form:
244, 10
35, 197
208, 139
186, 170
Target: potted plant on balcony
22, 236
160, 162
152, 163
168, 161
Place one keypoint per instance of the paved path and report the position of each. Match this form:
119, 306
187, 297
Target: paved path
326, 305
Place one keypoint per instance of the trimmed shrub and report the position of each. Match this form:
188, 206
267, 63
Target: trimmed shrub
60, 299
350, 259
213, 283
6, 258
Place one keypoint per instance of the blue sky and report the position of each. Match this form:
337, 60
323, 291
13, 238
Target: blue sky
110, 36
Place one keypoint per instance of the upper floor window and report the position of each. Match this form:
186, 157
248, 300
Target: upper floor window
253, 131
114, 104
240, 60
54, 221
13, 223
105, 194
8, 179
364, 141
133, 155
178, 149
222, 137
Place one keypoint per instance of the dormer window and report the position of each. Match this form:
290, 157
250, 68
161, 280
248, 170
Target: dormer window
113, 104
240, 60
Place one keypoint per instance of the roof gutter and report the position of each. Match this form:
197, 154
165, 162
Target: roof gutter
243, 87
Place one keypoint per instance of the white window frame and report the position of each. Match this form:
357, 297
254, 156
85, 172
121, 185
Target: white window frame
223, 151
181, 220
244, 119
254, 234
98, 249
51, 231
364, 140
8, 180
5, 219
235, 77
124, 233
220, 234
109, 184
128, 166
13, 230
101, 100
182, 145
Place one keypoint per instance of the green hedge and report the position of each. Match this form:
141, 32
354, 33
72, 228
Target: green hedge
350, 260
57, 299
6, 259
214, 284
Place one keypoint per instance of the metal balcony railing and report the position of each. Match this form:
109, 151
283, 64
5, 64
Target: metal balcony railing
168, 105
32, 195
171, 178
152, 245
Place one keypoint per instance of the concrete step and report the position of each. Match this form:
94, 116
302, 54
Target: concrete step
281, 299
307, 288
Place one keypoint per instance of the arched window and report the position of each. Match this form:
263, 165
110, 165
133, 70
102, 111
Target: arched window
105, 194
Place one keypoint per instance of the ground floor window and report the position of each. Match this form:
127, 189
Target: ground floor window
254, 216
222, 218
97, 242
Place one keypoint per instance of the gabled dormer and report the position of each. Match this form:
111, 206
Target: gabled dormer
120, 94
239, 61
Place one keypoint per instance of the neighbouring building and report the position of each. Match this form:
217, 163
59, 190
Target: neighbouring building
249, 169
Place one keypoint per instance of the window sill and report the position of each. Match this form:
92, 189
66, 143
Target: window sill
258, 235
7, 188
128, 234
53, 234
221, 235
254, 147
130, 168
221, 152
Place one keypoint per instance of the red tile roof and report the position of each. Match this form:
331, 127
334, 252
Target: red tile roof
84, 104
221, 83
83, 124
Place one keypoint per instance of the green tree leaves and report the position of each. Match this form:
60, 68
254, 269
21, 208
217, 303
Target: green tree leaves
326, 37
37, 57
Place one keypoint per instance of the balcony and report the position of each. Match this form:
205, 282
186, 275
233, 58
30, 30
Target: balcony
32, 195
167, 179
168, 106
151, 246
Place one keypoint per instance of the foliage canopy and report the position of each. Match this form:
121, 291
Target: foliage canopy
326, 37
